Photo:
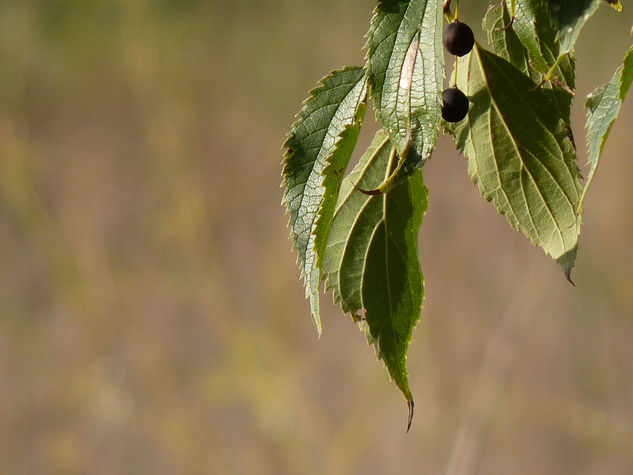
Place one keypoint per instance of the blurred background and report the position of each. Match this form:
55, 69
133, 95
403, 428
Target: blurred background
152, 319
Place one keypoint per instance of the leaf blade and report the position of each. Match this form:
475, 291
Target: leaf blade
504, 40
603, 107
550, 28
405, 74
325, 133
519, 153
371, 261
570, 17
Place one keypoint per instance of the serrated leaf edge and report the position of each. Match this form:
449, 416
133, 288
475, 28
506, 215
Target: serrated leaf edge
301, 115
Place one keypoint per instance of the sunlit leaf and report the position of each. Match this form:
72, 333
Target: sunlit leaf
520, 154
405, 72
318, 150
532, 46
603, 106
503, 39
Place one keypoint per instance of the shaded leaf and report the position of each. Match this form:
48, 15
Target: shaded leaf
537, 31
550, 28
519, 153
371, 262
318, 150
603, 106
570, 16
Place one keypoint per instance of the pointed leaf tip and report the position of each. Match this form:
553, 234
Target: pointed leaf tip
411, 406
568, 275
567, 262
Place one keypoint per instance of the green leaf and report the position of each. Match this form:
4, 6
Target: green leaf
550, 28
535, 28
535, 25
507, 44
570, 16
504, 40
519, 153
371, 260
318, 150
603, 106
405, 68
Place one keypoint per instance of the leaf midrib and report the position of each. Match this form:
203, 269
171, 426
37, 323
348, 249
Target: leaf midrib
386, 226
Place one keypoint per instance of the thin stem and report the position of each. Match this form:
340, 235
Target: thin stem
550, 73
447, 11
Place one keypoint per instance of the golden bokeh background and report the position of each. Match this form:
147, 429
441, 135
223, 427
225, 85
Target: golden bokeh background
152, 319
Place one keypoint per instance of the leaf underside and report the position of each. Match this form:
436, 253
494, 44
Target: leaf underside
532, 46
536, 28
504, 40
371, 261
519, 153
318, 150
603, 106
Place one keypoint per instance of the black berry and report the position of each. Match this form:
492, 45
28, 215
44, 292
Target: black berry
454, 105
458, 38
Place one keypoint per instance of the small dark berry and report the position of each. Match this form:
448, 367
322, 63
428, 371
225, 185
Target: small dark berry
454, 105
458, 38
